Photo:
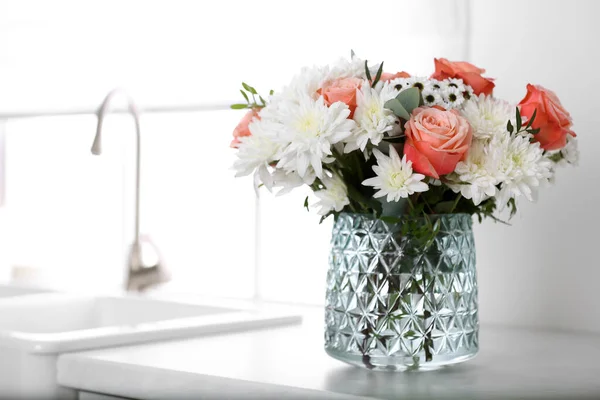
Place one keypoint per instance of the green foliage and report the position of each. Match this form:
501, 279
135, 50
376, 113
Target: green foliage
397, 108
519, 124
306, 204
367, 72
404, 103
378, 76
251, 102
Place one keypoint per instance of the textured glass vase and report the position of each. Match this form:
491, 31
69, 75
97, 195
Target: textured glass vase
396, 304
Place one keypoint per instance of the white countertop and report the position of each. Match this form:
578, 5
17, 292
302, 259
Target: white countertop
289, 362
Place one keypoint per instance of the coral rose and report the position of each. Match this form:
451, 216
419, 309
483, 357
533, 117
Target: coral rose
436, 140
470, 74
242, 129
343, 90
551, 117
387, 76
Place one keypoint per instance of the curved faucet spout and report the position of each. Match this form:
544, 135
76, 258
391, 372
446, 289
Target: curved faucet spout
97, 145
141, 273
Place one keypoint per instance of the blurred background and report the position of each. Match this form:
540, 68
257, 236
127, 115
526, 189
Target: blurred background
66, 216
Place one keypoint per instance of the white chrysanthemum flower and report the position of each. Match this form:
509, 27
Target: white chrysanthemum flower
304, 84
311, 128
373, 120
488, 116
258, 151
354, 68
523, 167
570, 153
334, 197
288, 181
480, 172
395, 178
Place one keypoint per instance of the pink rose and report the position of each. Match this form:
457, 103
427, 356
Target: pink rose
436, 140
242, 129
470, 74
387, 76
343, 90
551, 117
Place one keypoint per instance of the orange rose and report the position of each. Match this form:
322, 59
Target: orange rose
551, 117
470, 74
242, 128
343, 90
436, 140
387, 76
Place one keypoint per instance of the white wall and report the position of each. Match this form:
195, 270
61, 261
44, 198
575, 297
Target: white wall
543, 271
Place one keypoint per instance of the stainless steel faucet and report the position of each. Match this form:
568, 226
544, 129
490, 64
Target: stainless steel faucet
144, 266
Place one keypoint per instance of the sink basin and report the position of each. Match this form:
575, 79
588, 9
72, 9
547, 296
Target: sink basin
12, 291
35, 329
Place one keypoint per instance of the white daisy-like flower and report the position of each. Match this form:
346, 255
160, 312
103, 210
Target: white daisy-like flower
432, 97
395, 178
488, 116
311, 128
455, 83
258, 151
373, 120
304, 84
400, 84
570, 153
334, 197
523, 167
480, 172
453, 97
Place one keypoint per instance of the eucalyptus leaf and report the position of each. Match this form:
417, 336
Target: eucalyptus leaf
397, 108
245, 95
409, 99
239, 106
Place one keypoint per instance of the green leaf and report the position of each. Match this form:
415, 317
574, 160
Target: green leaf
409, 99
271, 92
306, 204
390, 220
367, 72
249, 88
245, 95
519, 122
397, 108
239, 106
534, 131
509, 127
264, 103
378, 76
531, 119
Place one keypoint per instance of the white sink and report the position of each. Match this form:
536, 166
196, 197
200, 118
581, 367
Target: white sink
12, 291
35, 329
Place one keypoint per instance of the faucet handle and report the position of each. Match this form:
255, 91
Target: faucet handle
145, 267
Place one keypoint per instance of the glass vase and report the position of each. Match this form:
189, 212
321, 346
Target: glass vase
396, 301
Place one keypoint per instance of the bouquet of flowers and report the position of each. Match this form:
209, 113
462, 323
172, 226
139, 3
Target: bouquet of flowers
396, 145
